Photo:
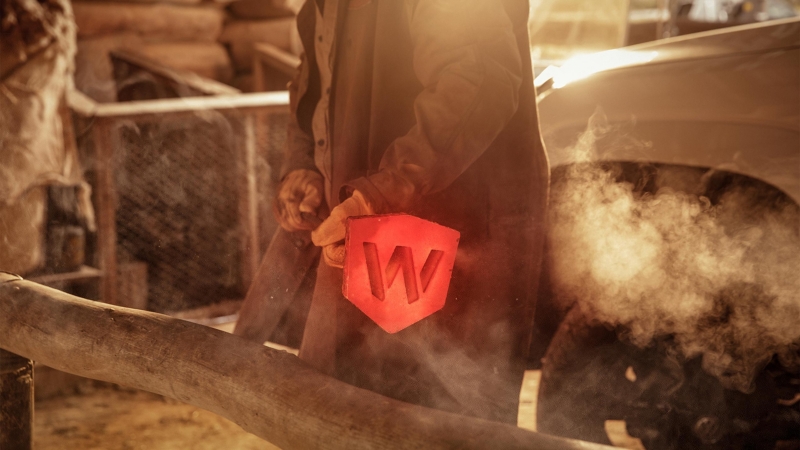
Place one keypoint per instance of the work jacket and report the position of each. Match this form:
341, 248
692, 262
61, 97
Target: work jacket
453, 138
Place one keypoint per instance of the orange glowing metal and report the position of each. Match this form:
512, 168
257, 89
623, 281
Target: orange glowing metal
382, 249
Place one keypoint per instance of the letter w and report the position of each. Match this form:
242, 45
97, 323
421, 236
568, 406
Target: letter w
401, 258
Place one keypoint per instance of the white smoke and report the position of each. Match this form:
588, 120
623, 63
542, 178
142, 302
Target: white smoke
722, 279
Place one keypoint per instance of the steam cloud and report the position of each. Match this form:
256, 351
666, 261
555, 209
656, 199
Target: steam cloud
723, 280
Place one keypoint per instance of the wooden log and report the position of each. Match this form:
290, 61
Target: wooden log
16, 402
153, 22
269, 393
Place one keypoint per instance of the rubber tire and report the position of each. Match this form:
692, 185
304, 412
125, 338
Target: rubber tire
583, 380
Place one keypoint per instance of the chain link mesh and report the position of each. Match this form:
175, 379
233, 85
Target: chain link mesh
178, 184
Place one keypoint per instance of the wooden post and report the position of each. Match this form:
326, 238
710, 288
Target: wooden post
269, 393
106, 208
248, 200
16, 402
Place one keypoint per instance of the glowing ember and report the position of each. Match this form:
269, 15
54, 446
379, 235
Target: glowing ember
381, 250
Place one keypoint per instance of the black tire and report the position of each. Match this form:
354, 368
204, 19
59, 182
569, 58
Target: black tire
583, 380
584, 384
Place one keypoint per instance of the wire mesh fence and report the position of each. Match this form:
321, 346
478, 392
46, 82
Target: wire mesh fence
178, 195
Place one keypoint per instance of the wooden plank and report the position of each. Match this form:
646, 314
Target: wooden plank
106, 208
269, 393
16, 402
176, 108
285, 265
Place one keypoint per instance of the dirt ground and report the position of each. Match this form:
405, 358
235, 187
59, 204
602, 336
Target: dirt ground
99, 416
106, 417
109, 418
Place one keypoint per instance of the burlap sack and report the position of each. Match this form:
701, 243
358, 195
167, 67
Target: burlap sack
153, 22
38, 48
31, 135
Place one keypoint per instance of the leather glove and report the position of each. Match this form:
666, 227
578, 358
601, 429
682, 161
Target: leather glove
330, 234
300, 193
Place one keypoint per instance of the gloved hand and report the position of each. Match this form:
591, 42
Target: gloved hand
301, 192
330, 234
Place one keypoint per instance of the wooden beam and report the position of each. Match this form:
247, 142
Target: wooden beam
173, 108
269, 393
16, 402
248, 199
106, 199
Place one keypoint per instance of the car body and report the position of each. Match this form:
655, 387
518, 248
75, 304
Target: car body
722, 109
726, 100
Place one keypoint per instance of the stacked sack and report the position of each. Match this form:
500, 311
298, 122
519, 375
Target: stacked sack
212, 39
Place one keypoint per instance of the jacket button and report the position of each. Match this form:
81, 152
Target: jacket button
319, 38
328, 91
321, 142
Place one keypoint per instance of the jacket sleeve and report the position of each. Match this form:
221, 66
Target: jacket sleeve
467, 59
299, 151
